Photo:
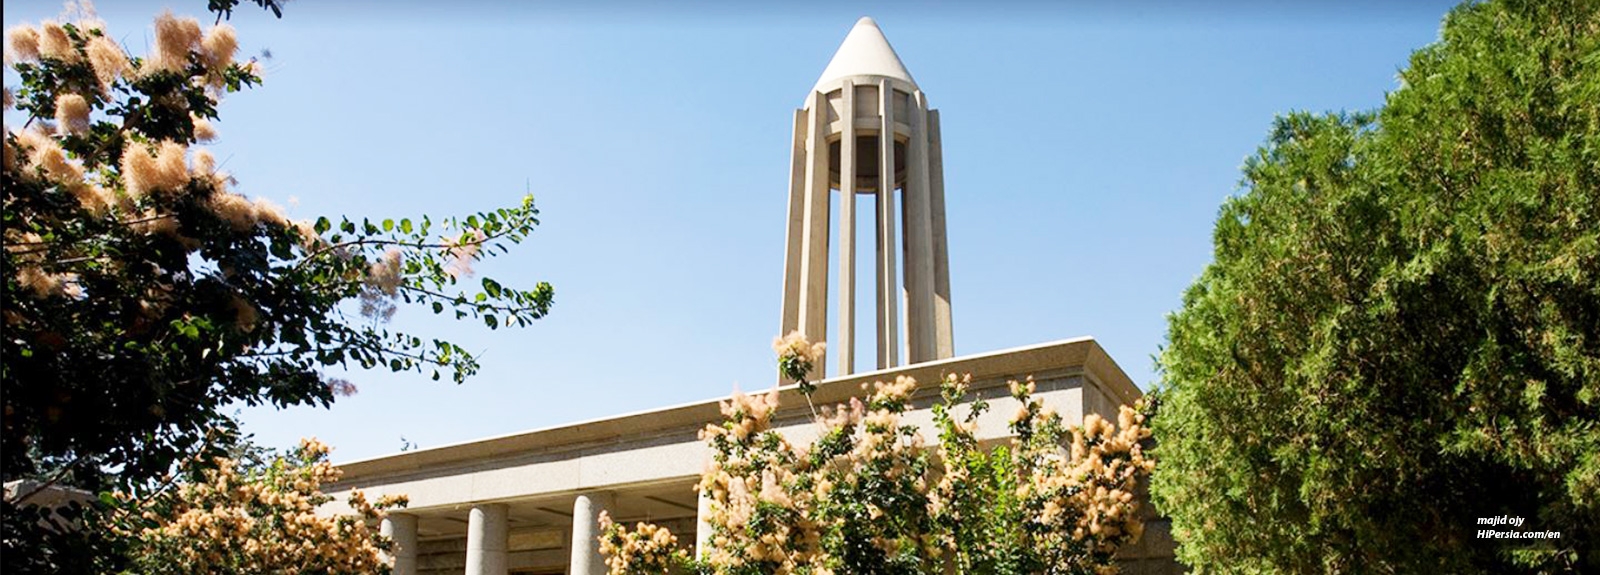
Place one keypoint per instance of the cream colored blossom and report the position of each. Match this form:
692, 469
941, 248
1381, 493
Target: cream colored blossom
461, 252
55, 43
218, 47
95, 199
138, 169
45, 154
34, 139
22, 44
72, 114
56, 165
41, 283
144, 173
795, 344
270, 213
175, 39
172, 171
203, 130
897, 391
204, 164
234, 208
107, 59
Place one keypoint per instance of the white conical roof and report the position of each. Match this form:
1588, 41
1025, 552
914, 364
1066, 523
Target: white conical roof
865, 52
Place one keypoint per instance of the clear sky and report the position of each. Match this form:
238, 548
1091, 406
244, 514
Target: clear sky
1087, 147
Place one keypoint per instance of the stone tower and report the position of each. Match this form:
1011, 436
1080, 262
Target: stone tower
866, 130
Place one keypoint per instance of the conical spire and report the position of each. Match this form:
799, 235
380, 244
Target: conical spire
865, 52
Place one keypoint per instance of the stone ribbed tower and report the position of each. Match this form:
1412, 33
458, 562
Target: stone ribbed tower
866, 129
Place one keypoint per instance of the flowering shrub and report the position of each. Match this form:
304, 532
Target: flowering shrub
645, 550
868, 497
797, 357
1032, 507
229, 517
757, 500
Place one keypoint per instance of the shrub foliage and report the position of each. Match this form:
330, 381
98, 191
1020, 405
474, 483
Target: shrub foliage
1400, 332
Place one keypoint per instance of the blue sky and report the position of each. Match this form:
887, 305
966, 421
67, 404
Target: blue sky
1088, 146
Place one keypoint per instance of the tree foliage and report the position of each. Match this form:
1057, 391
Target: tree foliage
131, 266
143, 294
1400, 332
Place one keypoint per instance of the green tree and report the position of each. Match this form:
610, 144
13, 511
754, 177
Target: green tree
1400, 332
142, 295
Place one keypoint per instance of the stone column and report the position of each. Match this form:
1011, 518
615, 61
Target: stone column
945, 336
814, 235
702, 525
920, 336
888, 286
486, 540
797, 221
586, 559
845, 348
402, 529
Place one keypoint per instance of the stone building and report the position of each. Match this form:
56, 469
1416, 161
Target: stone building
528, 502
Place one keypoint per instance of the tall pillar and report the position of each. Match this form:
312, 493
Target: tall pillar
888, 272
814, 235
486, 539
846, 343
401, 528
586, 559
797, 221
919, 239
944, 338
